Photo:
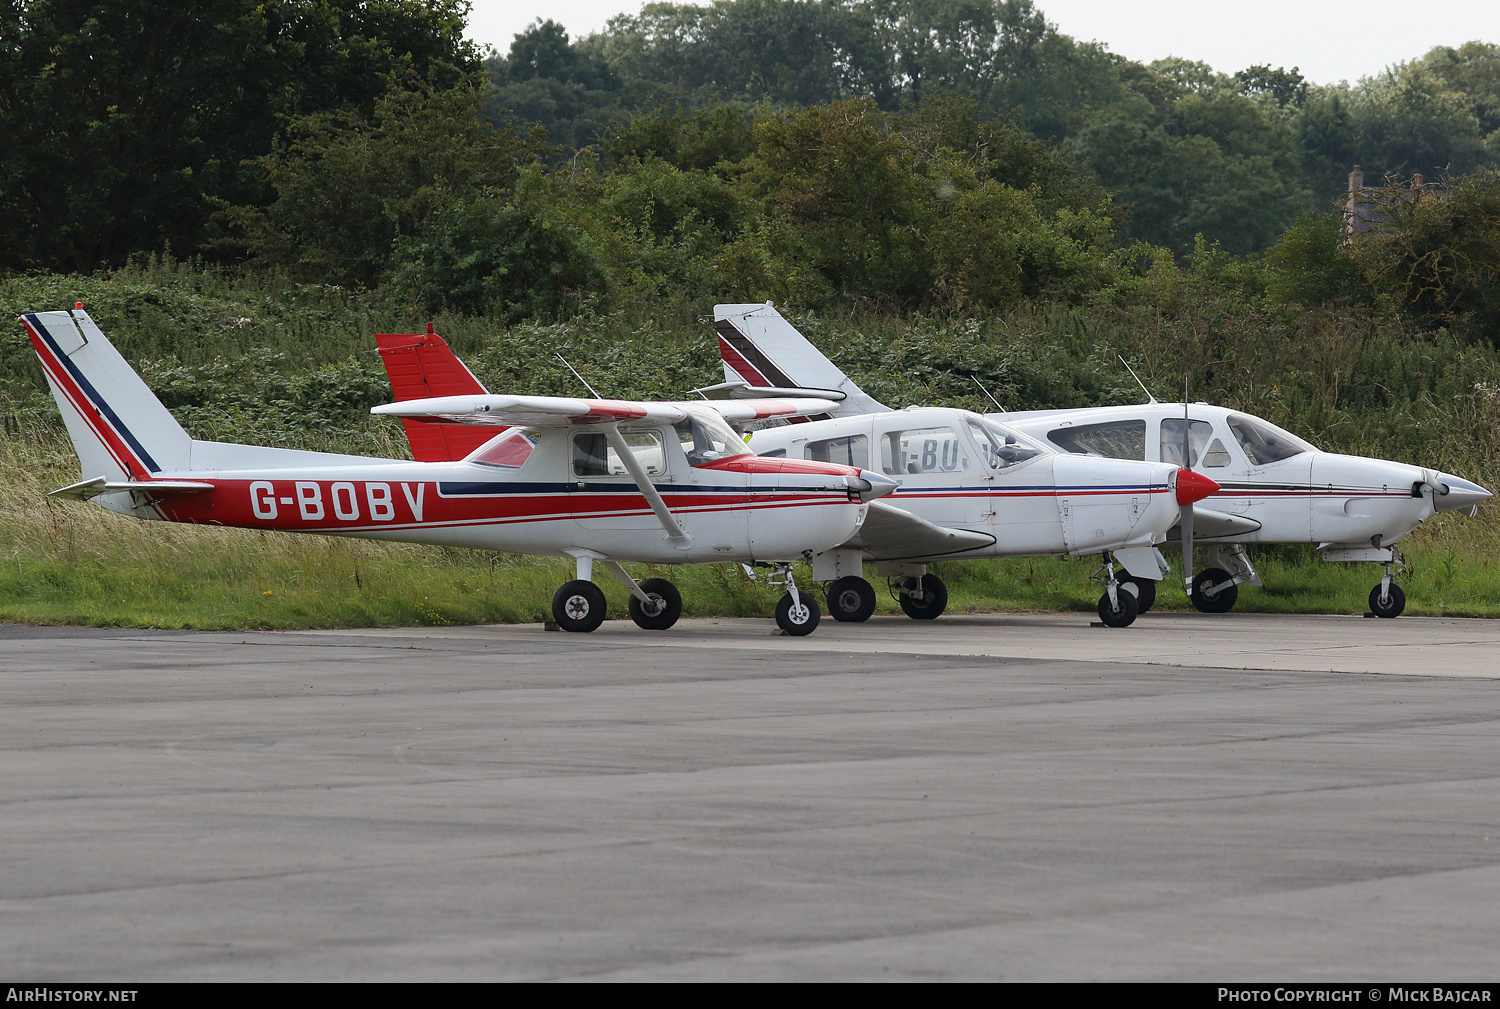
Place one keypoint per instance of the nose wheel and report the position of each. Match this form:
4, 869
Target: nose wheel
797, 614
1386, 598
1120, 611
1120, 603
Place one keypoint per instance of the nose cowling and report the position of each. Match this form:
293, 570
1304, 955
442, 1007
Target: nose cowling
1193, 486
1451, 493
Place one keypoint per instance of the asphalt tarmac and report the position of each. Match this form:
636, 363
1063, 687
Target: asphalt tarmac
1227, 799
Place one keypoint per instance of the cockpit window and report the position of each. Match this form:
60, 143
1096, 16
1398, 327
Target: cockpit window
1199, 433
1001, 446
706, 436
923, 450
1116, 439
1264, 442
594, 456
851, 451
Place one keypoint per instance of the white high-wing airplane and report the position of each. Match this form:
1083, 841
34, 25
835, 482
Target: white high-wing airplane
968, 488
1273, 486
602, 481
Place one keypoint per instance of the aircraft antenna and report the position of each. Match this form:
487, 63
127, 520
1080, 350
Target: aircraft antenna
585, 381
987, 393
1138, 380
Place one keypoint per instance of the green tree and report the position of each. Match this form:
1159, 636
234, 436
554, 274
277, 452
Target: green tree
124, 119
1437, 254
347, 190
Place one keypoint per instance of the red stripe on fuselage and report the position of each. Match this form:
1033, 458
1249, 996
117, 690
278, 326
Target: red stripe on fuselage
375, 505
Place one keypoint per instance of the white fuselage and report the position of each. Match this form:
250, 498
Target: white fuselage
535, 502
1028, 499
1274, 487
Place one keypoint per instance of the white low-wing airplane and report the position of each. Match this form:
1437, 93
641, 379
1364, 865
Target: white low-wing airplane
603, 481
968, 487
1273, 486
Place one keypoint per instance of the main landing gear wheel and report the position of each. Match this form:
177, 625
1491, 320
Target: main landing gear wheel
1122, 613
578, 606
1392, 606
851, 599
663, 610
798, 618
933, 602
1205, 599
1144, 590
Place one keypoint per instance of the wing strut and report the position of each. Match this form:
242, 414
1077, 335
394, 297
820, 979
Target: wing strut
675, 533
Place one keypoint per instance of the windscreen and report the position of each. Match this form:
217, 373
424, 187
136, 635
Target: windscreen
706, 436
1263, 441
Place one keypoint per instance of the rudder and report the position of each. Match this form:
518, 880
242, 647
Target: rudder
423, 366
760, 348
119, 429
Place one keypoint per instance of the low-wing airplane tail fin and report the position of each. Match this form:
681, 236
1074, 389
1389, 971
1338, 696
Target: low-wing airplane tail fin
764, 351
120, 430
423, 366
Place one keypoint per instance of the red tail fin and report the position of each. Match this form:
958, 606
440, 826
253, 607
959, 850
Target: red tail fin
423, 366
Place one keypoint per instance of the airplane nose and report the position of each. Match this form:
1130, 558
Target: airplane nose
870, 486
1193, 486
1453, 494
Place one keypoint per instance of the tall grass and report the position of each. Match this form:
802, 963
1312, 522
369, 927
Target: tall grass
254, 359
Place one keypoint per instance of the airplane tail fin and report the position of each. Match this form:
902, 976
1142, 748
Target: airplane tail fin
423, 366
763, 350
120, 430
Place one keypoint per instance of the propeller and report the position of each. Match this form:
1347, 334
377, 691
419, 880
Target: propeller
1185, 510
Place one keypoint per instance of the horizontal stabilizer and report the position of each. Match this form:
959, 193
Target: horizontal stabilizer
560, 411
890, 533
85, 489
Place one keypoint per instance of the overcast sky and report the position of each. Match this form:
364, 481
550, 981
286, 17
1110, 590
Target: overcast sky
1330, 40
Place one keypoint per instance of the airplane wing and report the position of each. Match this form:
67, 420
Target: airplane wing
743, 390
561, 411
744, 410
890, 533
1210, 524
531, 411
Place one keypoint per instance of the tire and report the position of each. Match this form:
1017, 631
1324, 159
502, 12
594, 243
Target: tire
803, 620
851, 600
1223, 602
933, 602
1122, 614
668, 599
578, 606
1144, 590
1392, 609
